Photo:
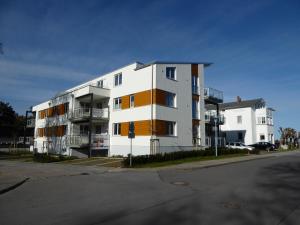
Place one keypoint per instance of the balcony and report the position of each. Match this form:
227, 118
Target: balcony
80, 114
212, 95
195, 90
196, 115
97, 91
30, 123
99, 141
211, 116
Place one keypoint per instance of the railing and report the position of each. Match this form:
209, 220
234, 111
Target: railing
85, 113
210, 118
99, 141
196, 115
196, 90
213, 94
30, 122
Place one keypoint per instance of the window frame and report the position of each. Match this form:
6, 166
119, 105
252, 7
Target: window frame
117, 129
171, 128
131, 101
118, 80
239, 119
119, 104
173, 99
172, 75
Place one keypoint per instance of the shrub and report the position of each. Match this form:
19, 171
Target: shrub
44, 158
161, 157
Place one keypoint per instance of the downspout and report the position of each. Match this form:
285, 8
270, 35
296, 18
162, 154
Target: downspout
151, 140
90, 126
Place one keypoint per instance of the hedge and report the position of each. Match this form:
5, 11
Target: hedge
161, 157
48, 158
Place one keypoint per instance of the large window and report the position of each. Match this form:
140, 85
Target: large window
171, 128
117, 129
170, 99
131, 101
118, 79
261, 120
117, 103
171, 73
239, 119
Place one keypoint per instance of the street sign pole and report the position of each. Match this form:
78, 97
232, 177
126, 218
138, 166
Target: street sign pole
131, 135
130, 163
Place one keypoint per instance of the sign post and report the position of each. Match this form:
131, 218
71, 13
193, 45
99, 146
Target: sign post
131, 135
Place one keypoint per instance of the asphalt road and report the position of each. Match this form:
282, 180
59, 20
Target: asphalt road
264, 191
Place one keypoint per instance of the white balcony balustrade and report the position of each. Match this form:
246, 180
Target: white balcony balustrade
85, 113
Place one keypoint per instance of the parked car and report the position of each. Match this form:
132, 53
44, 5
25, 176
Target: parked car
239, 145
264, 146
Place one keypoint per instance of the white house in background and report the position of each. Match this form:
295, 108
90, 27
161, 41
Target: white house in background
247, 121
164, 100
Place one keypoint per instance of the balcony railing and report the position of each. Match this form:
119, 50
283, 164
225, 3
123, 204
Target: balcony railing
82, 113
213, 95
30, 122
99, 141
196, 90
196, 115
210, 118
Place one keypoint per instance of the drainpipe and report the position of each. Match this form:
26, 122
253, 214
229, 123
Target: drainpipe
151, 140
90, 125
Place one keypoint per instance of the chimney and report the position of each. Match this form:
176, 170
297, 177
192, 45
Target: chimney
238, 99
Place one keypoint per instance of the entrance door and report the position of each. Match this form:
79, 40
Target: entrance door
154, 146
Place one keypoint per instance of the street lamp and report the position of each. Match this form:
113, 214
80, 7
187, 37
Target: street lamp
216, 120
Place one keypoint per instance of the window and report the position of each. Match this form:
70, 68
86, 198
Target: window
170, 128
117, 129
100, 83
66, 108
118, 79
195, 109
131, 101
263, 120
195, 88
170, 73
240, 136
262, 137
239, 119
170, 99
117, 103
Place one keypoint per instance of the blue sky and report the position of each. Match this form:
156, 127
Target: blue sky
53, 45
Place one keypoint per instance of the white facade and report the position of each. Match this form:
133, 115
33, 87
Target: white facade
82, 121
249, 124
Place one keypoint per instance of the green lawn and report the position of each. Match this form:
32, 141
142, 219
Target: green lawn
187, 160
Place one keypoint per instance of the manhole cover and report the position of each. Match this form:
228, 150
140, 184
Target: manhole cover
231, 205
180, 183
84, 174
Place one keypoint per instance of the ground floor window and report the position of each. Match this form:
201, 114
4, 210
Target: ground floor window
117, 129
262, 137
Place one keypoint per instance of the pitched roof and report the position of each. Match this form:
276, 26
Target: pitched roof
241, 104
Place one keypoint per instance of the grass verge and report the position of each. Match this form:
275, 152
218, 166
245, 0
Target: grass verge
187, 160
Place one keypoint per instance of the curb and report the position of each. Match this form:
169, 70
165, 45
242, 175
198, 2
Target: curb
10, 188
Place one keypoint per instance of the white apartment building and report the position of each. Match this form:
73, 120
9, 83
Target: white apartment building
164, 100
248, 121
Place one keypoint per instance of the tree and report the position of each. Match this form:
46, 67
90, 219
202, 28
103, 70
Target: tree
287, 135
7, 120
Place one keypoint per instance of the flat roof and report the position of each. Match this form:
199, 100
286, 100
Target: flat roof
141, 66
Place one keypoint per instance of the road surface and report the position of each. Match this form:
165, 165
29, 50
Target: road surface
263, 191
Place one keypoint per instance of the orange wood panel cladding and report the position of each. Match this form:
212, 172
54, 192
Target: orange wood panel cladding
194, 69
144, 98
57, 131
52, 111
143, 128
